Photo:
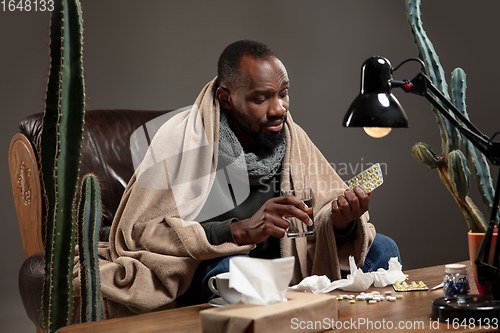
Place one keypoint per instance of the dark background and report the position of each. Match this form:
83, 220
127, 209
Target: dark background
157, 55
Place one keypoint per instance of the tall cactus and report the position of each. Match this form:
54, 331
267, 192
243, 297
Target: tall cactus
449, 135
478, 162
60, 159
89, 221
452, 166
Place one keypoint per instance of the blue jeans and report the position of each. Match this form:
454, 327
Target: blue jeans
381, 250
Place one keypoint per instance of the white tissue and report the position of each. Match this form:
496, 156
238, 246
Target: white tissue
261, 281
311, 284
356, 281
383, 278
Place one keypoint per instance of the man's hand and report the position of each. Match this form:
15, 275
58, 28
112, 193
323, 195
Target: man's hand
269, 220
349, 207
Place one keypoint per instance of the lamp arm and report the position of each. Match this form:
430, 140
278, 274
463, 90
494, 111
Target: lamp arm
422, 85
486, 273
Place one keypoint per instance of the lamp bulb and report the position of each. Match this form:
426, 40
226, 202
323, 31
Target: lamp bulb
377, 132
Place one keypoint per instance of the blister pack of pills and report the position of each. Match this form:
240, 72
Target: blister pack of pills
369, 179
412, 286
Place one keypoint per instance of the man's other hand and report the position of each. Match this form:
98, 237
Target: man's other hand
349, 207
269, 220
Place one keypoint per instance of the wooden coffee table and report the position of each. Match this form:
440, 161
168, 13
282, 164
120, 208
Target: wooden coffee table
413, 312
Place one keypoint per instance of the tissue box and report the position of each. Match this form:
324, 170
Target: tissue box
301, 313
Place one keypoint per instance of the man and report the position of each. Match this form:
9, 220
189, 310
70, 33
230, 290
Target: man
209, 188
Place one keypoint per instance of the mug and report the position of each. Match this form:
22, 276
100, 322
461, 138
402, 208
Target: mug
222, 289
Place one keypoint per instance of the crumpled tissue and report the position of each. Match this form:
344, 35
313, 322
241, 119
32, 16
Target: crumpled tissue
261, 281
357, 281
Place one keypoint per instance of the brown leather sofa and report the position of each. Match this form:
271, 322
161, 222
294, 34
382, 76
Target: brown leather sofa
105, 152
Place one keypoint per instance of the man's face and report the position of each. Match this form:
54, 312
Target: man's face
259, 103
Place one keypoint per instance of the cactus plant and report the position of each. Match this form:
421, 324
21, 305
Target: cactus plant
60, 159
89, 221
454, 167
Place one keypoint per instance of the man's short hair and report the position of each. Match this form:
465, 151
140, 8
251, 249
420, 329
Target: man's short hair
228, 67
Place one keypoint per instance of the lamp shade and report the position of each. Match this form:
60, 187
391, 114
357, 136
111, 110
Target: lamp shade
375, 106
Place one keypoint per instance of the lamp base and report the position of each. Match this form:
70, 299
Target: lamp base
472, 306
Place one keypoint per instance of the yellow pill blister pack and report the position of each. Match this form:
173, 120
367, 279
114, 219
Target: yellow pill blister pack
412, 286
369, 179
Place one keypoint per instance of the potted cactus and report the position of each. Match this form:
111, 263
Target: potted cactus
61, 140
460, 159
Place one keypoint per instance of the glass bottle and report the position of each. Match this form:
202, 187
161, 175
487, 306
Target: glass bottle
455, 280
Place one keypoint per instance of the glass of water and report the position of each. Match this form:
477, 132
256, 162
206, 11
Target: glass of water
297, 227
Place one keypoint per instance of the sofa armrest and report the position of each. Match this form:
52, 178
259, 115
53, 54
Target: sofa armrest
31, 279
26, 188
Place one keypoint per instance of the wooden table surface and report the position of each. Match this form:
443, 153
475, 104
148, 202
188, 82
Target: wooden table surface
413, 312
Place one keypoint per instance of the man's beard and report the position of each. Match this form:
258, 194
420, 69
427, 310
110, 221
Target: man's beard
265, 143
269, 143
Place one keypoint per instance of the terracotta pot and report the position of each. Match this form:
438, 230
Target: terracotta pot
475, 240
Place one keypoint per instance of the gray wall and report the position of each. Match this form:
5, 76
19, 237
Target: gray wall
159, 54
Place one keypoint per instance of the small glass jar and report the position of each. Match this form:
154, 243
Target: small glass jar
455, 281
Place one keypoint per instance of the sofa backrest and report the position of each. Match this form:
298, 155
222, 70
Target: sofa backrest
105, 151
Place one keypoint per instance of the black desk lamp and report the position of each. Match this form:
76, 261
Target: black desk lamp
377, 111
